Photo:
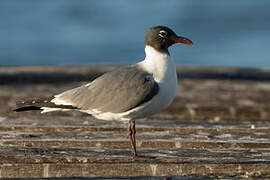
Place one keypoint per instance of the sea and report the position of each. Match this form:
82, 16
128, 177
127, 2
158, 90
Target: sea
83, 32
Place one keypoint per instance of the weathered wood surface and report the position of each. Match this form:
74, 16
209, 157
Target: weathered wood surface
216, 127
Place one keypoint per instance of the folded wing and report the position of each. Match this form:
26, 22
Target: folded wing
116, 91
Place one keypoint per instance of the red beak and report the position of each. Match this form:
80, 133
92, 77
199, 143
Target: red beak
184, 40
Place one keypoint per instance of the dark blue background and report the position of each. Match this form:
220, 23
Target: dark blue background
225, 32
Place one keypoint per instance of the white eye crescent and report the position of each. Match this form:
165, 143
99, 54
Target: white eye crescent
162, 33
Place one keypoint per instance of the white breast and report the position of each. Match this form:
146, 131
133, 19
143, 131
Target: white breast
164, 73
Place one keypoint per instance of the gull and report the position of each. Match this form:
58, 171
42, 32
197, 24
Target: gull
126, 93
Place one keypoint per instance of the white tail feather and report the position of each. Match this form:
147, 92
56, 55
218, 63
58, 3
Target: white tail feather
48, 109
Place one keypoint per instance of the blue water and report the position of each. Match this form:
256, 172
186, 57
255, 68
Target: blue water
225, 32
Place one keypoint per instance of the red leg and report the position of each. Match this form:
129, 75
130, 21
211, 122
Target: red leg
131, 133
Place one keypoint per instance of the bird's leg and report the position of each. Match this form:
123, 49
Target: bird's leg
131, 133
133, 136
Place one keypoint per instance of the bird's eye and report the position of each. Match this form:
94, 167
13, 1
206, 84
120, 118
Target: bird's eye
162, 33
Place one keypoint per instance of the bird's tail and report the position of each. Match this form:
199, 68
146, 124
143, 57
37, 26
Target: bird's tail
39, 104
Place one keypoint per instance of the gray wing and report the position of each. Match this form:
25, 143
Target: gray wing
116, 91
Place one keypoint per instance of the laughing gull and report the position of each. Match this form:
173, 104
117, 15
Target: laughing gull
127, 93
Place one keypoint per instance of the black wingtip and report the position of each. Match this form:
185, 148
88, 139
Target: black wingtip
27, 108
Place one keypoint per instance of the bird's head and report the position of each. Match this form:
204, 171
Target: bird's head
162, 37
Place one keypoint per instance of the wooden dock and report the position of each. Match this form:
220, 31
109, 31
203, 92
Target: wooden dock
217, 127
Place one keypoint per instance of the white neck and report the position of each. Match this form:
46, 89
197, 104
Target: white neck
157, 63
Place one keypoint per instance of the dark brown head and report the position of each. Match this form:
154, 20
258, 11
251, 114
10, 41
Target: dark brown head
162, 37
